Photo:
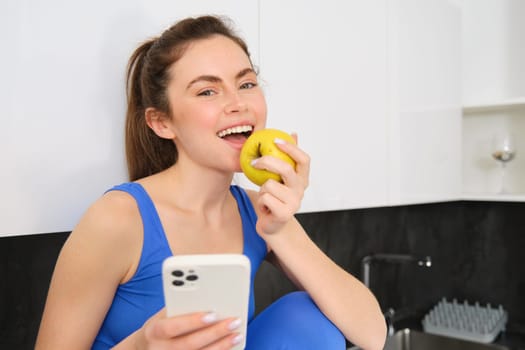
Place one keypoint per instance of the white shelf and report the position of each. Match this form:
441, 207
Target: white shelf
481, 176
515, 103
493, 197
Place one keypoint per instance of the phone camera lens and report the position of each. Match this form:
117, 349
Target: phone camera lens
177, 273
178, 283
192, 278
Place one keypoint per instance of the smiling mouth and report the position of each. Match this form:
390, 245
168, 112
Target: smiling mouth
235, 132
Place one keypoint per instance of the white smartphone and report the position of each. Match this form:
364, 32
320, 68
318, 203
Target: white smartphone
217, 283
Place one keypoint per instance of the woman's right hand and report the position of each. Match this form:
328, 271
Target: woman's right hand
199, 330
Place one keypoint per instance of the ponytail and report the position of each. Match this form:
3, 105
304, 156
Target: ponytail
146, 153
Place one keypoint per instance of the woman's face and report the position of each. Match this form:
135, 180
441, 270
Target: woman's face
215, 101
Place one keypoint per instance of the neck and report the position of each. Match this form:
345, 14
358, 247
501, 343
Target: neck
197, 190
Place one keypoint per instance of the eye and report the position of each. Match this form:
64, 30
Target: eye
248, 85
207, 92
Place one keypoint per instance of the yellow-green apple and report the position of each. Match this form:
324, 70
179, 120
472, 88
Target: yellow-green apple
261, 143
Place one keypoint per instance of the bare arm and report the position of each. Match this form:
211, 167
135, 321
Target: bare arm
94, 260
347, 302
341, 297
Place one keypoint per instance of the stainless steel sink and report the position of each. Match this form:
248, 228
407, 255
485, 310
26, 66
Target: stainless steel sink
407, 339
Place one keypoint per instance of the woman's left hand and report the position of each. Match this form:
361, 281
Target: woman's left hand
278, 202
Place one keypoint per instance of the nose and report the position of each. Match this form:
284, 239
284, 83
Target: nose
234, 102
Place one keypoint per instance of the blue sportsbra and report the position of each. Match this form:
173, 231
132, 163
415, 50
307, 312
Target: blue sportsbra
141, 297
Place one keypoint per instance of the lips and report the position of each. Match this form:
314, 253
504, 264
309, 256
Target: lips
236, 131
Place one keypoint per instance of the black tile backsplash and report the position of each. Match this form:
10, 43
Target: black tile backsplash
477, 250
26, 268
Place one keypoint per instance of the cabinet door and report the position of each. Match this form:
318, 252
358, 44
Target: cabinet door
494, 97
425, 101
323, 64
493, 51
63, 98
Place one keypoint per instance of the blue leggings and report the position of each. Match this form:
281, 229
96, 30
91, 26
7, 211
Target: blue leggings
293, 322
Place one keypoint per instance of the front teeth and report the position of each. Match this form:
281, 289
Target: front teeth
235, 130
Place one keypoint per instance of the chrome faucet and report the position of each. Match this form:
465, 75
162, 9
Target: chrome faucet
367, 261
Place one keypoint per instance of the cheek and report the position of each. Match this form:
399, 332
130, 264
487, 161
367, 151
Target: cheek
196, 113
260, 107
207, 114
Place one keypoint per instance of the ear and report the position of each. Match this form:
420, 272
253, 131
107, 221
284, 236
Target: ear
160, 123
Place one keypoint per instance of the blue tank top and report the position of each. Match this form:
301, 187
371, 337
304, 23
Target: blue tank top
141, 297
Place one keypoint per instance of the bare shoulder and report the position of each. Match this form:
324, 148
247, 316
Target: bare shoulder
113, 222
114, 211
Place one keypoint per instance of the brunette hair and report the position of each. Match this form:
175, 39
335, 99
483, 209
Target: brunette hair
146, 84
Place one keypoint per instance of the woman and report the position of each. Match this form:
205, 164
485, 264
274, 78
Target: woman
193, 98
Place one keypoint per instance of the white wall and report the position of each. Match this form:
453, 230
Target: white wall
353, 85
63, 101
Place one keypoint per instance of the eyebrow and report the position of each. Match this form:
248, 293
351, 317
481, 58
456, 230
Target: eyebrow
215, 79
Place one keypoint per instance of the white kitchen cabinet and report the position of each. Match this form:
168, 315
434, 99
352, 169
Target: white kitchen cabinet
62, 92
373, 88
493, 96
324, 68
424, 52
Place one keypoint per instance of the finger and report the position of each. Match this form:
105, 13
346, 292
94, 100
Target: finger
277, 166
226, 342
294, 136
175, 326
283, 192
293, 151
210, 335
292, 178
279, 210
301, 158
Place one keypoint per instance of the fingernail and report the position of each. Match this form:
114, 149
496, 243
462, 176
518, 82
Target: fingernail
279, 141
234, 324
252, 163
210, 317
237, 339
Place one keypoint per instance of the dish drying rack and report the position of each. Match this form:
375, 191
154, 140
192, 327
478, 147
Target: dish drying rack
465, 321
